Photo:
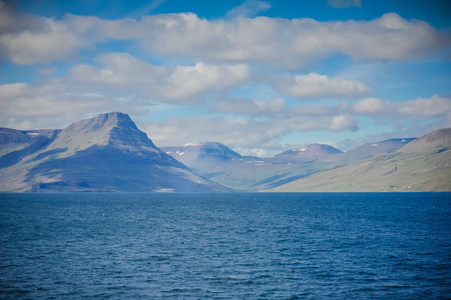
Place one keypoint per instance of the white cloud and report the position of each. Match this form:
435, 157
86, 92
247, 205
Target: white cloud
256, 152
55, 43
434, 106
420, 108
370, 106
315, 86
344, 122
273, 108
180, 84
407, 117
329, 123
291, 44
28, 39
238, 132
188, 81
284, 43
12, 90
54, 104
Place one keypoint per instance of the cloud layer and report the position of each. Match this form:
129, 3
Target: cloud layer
283, 43
420, 108
130, 75
316, 86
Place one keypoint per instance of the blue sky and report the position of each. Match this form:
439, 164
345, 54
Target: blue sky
259, 76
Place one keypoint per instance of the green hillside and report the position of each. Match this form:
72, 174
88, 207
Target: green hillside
422, 165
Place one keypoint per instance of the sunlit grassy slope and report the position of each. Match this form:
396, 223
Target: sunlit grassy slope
422, 165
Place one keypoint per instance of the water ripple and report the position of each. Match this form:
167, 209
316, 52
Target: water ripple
225, 246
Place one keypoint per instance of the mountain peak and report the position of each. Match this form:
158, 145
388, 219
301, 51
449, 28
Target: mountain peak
115, 116
440, 138
309, 152
107, 120
115, 129
192, 153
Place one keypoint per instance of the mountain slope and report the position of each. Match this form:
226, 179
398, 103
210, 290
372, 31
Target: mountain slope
373, 149
194, 153
105, 153
422, 165
218, 163
226, 167
438, 140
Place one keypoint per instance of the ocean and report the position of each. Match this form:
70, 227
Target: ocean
225, 246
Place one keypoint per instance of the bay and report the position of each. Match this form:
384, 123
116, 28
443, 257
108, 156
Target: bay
225, 246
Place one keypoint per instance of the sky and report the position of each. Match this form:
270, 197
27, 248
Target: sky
260, 77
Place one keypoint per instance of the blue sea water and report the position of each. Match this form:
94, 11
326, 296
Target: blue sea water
225, 246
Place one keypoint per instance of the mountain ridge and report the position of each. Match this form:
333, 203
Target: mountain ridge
249, 173
423, 165
109, 153
104, 153
309, 152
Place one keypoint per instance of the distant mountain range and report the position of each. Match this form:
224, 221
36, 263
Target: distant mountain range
222, 165
109, 153
423, 165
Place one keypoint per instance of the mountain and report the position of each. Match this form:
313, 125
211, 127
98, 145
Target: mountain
312, 152
424, 164
194, 153
15, 144
109, 153
220, 164
373, 149
438, 140
105, 153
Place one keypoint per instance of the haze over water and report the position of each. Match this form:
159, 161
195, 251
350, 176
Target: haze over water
225, 246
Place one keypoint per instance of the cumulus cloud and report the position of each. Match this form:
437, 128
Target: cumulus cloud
315, 86
330, 123
344, 122
273, 108
427, 107
179, 84
54, 104
55, 43
370, 106
292, 43
283, 43
242, 132
436, 106
237, 132
185, 84
28, 39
